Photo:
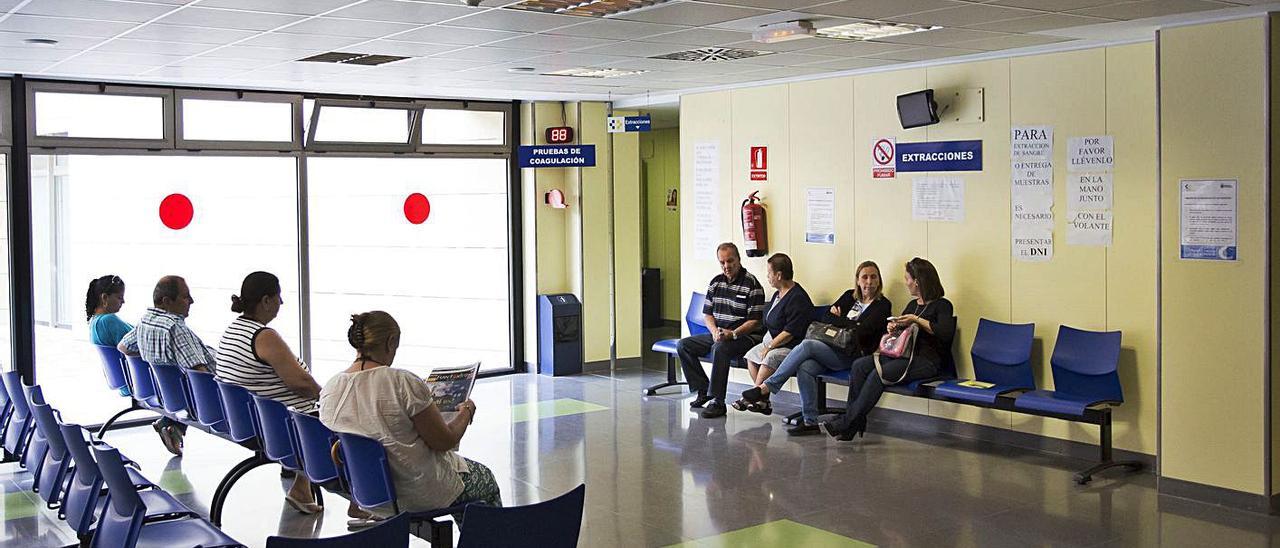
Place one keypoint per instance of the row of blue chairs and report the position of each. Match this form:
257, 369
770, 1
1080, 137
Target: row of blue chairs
69, 472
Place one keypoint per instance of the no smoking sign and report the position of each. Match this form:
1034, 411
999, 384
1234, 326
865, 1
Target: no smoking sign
883, 158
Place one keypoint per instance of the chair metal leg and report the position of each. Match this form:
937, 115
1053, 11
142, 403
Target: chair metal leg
441, 534
224, 487
1104, 458
133, 406
317, 494
671, 378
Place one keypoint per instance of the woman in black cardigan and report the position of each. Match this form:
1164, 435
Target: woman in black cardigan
863, 308
934, 318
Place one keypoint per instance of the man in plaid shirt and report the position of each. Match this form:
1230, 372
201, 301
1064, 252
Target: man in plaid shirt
733, 311
163, 338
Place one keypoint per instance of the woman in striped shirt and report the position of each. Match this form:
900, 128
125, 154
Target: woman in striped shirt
254, 356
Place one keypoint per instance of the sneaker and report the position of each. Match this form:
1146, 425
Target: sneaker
169, 436
803, 429
714, 410
699, 401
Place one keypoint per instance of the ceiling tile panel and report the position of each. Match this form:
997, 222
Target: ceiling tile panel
1052, 5
1039, 23
790, 45
294, 7
36, 24
700, 37
229, 19
76, 43
490, 54
102, 10
409, 49
1010, 41
356, 28
963, 16
788, 59
263, 54
188, 73
515, 21
1150, 8
616, 30
880, 9
36, 54
787, 72
117, 58
780, 5
857, 48
456, 36
403, 12
553, 42
126, 45
940, 37
301, 41
231, 64
851, 64
189, 35
924, 54
29, 66
690, 14
580, 59
634, 49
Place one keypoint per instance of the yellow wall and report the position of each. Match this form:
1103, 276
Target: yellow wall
1213, 340
820, 133
1275, 252
627, 227
660, 154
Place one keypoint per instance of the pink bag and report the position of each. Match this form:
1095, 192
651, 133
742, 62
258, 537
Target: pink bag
900, 345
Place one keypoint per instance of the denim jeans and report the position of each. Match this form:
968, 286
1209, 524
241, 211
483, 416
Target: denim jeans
805, 362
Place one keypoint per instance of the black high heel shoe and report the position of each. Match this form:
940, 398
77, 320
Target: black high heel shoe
858, 428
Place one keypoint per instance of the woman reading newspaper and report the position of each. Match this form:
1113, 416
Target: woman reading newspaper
399, 409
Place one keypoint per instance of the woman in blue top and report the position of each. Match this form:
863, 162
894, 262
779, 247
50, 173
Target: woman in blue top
103, 301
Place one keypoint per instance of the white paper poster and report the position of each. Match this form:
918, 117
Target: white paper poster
1208, 219
1031, 143
1089, 192
1089, 228
1033, 244
820, 205
937, 199
1032, 192
706, 198
1095, 153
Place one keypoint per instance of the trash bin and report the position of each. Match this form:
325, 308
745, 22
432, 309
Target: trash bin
651, 297
559, 335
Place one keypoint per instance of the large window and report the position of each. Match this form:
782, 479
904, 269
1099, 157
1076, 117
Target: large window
444, 279
100, 215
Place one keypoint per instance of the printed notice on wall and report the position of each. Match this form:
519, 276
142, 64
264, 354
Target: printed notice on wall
1089, 228
937, 199
1089, 192
820, 205
1033, 244
706, 198
1208, 219
1090, 153
1031, 143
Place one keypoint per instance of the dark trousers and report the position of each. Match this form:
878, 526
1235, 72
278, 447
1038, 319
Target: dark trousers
691, 348
865, 386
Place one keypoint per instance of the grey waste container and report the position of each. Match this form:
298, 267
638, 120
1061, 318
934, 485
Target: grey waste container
559, 334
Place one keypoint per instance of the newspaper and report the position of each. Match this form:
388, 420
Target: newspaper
450, 386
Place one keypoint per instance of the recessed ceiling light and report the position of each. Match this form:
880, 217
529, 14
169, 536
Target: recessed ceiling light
585, 72
871, 30
521, 70
41, 41
782, 32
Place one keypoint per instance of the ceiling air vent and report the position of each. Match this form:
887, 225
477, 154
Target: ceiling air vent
345, 58
709, 55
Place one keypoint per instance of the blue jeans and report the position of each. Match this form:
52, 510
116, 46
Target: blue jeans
805, 362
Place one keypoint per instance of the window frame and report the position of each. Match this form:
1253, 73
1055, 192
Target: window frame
439, 148
6, 114
167, 119
415, 126
295, 120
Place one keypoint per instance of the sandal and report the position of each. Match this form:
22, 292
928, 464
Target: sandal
762, 407
742, 405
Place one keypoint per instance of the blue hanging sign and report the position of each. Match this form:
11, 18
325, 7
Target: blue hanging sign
940, 156
536, 156
625, 124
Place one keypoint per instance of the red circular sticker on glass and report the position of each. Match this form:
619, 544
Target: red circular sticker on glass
176, 211
417, 208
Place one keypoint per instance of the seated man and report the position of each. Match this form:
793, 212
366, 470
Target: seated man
733, 309
163, 338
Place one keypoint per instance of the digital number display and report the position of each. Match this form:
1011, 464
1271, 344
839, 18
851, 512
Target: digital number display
559, 135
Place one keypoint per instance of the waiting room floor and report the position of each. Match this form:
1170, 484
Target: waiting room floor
657, 475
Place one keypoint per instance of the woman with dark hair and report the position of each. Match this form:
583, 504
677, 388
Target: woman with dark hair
934, 318
789, 313
256, 357
395, 407
102, 303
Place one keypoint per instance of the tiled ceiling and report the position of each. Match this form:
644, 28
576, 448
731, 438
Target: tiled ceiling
462, 51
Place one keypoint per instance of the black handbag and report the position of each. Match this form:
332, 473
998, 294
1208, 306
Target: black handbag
842, 339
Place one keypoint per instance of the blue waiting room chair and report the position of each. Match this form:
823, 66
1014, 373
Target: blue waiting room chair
552, 523
392, 533
697, 326
313, 443
1086, 382
144, 386
206, 403
19, 431
113, 368
1001, 356
122, 523
367, 474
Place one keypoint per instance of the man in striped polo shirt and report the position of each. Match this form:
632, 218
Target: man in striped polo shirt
733, 310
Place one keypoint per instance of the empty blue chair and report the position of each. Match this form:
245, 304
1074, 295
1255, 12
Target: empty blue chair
20, 427
553, 523
36, 446
83, 499
274, 432
113, 368
1085, 382
697, 324
171, 384
6, 410
392, 533
1001, 356
144, 387
313, 442
56, 461
122, 521
237, 405
205, 401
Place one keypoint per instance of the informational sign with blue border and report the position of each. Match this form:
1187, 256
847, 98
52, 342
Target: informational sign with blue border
1209, 219
626, 124
538, 156
939, 156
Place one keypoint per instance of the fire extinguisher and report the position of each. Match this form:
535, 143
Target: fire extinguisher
753, 226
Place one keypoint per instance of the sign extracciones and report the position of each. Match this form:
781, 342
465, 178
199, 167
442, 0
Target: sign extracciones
940, 156
540, 156
625, 124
